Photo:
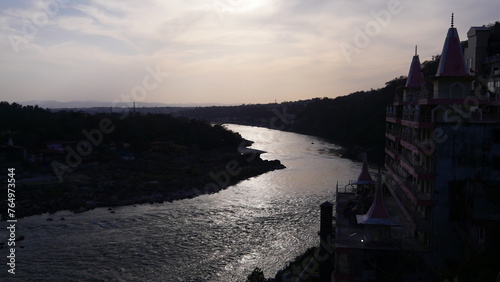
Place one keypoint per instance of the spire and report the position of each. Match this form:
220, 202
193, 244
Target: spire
364, 177
377, 214
415, 77
452, 61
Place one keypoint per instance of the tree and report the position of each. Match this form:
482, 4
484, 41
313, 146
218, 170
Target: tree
256, 276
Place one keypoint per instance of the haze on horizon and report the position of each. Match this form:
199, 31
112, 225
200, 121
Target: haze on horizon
218, 51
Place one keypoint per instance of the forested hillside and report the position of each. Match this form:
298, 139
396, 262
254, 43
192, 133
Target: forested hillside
78, 161
31, 126
355, 121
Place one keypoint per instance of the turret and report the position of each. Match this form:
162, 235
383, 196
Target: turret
364, 186
364, 177
415, 84
452, 80
377, 213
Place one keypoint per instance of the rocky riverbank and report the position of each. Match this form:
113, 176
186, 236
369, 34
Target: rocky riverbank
152, 177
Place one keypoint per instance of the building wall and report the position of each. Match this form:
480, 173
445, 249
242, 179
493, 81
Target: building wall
451, 88
443, 157
477, 48
466, 155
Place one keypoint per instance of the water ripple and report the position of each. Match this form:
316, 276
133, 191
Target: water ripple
262, 222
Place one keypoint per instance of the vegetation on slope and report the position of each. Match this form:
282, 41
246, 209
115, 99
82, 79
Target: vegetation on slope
355, 121
32, 126
73, 160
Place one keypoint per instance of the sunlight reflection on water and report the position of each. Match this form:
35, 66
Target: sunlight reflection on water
262, 222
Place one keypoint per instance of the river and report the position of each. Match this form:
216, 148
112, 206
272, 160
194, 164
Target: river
263, 222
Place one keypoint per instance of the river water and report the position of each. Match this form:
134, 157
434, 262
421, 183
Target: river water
263, 222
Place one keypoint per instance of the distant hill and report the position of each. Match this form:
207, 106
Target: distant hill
32, 126
72, 160
355, 121
52, 104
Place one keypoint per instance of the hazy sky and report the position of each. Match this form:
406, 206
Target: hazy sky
218, 51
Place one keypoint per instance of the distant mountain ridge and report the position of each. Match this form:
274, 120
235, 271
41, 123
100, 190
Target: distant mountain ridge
355, 121
53, 104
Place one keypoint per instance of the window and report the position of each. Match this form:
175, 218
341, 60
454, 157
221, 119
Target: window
490, 85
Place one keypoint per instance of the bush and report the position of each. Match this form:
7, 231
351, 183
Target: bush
256, 276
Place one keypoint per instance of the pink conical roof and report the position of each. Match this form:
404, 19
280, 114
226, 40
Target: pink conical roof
452, 61
415, 77
364, 177
377, 214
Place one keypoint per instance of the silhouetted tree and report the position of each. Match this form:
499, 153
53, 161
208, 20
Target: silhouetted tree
256, 276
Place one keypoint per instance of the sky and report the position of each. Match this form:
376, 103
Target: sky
218, 51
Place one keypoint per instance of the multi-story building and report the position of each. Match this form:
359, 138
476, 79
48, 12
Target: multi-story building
443, 151
482, 54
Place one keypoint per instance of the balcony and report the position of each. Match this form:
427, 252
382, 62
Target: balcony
393, 153
392, 136
409, 140
401, 183
415, 219
410, 144
422, 198
401, 200
417, 171
489, 99
410, 188
392, 117
451, 98
416, 120
413, 97
392, 130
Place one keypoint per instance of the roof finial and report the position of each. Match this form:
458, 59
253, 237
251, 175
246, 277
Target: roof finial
415, 50
451, 19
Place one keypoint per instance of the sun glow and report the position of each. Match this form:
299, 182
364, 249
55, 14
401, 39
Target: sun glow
240, 6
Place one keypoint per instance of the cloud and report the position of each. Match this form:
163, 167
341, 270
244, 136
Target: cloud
218, 50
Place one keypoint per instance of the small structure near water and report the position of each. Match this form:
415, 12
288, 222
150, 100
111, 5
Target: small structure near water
367, 238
